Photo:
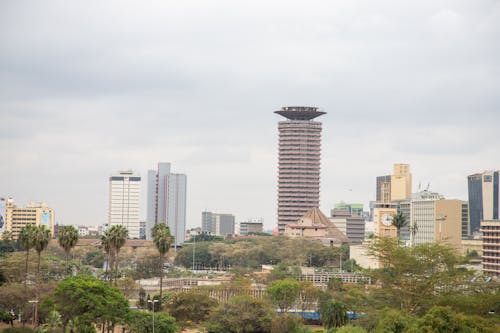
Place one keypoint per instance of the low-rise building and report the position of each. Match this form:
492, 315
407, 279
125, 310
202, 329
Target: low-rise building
251, 227
15, 218
315, 225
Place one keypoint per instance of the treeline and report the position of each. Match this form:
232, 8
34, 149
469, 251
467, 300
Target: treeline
253, 252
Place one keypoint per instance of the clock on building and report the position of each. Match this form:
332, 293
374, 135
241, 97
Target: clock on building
387, 220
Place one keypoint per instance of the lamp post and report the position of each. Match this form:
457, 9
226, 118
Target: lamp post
34, 303
153, 302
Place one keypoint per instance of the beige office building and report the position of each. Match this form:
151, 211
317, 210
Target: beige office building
36, 213
401, 182
436, 219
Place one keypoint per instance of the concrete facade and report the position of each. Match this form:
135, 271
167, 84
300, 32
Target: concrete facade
491, 247
124, 197
298, 163
36, 213
353, 226
167, 201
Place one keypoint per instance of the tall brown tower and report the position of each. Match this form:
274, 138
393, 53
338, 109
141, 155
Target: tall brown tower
298, 163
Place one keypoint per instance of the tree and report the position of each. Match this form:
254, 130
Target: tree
284, 293
241, 314
26, 241
162, 240
393, 321
53, 324
86, 300
193, 306
350, 329
444, 320
67, 237
308, 296
399, 221
117, 236
108, 249
333, 314
41, 239
142, 322
288, 323
411, 277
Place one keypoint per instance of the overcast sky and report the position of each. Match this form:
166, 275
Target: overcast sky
91, 87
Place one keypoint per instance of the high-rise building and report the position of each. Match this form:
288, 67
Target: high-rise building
436, 219
298, 163
484, 198
491, 246
124, 197
383, 189
394, 187
217, 224
15, 218
167, 201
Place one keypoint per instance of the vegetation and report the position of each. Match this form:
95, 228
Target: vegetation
162, 240
241, 314
399, 221
26, 236
84, 300
191, 307
67, 237
284, 294
142, 322
253, 252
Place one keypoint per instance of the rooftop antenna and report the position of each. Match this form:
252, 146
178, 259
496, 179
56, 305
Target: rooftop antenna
428, 185
419, 186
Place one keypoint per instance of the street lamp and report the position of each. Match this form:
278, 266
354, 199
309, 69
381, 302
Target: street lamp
153, 302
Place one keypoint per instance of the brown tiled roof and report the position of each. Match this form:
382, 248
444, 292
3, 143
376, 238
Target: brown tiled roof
319, 219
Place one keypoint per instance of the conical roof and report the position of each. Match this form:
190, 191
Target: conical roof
315, 217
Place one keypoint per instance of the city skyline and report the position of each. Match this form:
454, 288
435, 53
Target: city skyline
82, 94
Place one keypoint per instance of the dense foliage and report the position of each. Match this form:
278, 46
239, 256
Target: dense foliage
254, 252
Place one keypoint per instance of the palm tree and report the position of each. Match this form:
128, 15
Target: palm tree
26, 236
67, 238
108, 249
163, 239
333, 314
117, 236
399, 221
41, 240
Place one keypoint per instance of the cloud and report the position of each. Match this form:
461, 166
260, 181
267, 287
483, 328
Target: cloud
87, 88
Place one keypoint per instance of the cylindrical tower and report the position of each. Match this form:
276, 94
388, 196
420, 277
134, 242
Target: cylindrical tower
298, 163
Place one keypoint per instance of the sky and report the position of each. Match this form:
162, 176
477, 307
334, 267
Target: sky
91, 87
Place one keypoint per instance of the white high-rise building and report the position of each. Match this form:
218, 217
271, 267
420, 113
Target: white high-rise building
124, 196
167, 201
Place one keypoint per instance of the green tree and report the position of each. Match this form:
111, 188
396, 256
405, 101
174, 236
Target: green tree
53, 324
399, 221
445, 320
107, 246
308, 295
393, 321
67, 237
41, 239
193, 306
141, 321
333, 314
86, 300
284, 293
241, 314
26, 240
117, 237
411, 277
288, 323
163, 239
